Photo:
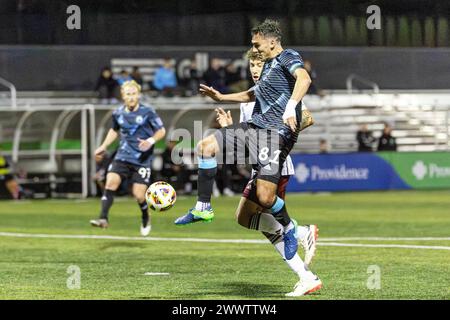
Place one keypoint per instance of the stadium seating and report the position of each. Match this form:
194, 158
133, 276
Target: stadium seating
147, 67
420, 120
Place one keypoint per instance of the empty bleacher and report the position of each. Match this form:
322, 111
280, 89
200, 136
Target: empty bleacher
420, 120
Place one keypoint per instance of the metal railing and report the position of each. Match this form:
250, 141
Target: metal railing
177, 112
351, 77
13, 91
59, 128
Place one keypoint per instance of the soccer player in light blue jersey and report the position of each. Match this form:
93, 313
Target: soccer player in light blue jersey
139, 128
277, 109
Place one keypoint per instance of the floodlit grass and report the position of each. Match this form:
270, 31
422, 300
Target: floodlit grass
36, 268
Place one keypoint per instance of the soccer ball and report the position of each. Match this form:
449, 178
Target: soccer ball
160, 196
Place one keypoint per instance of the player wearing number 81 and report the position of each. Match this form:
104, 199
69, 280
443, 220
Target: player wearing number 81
269, 135
139, 127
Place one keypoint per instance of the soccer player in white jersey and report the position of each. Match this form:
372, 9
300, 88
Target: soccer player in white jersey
249, 213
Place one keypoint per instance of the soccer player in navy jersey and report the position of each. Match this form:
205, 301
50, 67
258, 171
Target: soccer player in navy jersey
249, 213
139, 128
277, 95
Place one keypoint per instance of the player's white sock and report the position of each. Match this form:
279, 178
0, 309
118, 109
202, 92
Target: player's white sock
289, 226
202, 205
265, 222
298, 266
296, 263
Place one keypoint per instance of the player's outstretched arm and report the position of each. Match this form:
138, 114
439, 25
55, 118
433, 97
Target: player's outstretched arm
243, 96
110, 138
302, 84
144, 145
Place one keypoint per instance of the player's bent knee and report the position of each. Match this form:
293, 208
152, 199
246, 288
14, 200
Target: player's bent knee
239, 215
266, 198
139, 198
109, 188
207, 147
112, 186
243, 219
245, 212
139, 192
266, 193
112, 181
203, 148
200, 147
138, 195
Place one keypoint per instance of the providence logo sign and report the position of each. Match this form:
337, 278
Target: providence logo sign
338, 172
431, 171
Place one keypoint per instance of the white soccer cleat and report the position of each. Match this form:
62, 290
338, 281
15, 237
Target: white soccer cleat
228, 192
216, 192
308, 242
146, 230
100, 223
305, 286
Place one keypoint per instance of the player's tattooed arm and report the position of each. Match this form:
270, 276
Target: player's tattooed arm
110, 138
243, 96
302, 84
145, 144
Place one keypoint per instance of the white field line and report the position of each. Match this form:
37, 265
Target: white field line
76, 236
387, 239
156, 274
247, 241
404, 246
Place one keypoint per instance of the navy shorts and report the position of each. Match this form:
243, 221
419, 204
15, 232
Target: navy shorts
265, 149
131, 172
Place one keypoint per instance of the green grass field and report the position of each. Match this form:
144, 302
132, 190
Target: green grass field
36, 267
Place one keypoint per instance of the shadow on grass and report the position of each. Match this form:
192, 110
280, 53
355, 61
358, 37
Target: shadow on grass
123, 244
234, 290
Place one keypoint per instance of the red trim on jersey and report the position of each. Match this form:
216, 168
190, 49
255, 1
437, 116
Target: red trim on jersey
282, 184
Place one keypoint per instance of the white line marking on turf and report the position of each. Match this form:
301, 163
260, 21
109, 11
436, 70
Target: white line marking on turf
387, 239
77, 236
247, 241
109, 237
156, 274
405, 246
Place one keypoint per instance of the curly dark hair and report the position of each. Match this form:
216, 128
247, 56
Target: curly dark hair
269, 28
